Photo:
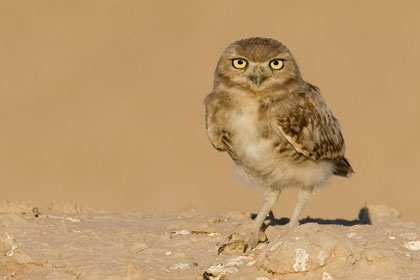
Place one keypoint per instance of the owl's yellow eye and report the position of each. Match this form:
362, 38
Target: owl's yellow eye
239, 63
276, 64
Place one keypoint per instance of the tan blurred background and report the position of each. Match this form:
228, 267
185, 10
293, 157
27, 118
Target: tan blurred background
101, 101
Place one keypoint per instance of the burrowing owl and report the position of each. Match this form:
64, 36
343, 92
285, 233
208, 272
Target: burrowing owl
274, 125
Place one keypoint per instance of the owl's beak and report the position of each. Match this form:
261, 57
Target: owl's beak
258, 76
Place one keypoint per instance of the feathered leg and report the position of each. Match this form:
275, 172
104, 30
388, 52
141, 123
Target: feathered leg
303, 197
270, 198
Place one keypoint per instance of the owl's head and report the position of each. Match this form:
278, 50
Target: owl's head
257, 63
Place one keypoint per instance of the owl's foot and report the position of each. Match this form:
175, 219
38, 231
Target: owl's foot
245, 242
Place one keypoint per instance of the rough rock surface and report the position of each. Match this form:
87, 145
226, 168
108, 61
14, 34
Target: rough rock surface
64, 241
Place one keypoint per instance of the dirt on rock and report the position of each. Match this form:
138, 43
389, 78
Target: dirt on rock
64, 241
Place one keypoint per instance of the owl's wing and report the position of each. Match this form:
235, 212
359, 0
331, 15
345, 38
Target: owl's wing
309, 126
219, 137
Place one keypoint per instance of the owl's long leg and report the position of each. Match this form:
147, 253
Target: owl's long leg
271, 196
303, 196
253, 234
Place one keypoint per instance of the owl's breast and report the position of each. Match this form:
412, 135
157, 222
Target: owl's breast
250, 138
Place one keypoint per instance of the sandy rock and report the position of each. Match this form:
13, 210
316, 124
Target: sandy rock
15, 206
69, 243
67, 207
337, 252
377, 212
308, 248
187, 211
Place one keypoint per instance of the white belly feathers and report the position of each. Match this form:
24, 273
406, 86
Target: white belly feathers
246, 140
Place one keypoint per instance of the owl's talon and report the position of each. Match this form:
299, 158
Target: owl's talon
221, 249
244, 243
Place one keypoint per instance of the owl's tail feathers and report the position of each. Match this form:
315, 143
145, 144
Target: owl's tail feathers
343, 168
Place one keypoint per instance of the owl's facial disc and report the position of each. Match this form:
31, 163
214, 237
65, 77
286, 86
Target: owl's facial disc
258, 75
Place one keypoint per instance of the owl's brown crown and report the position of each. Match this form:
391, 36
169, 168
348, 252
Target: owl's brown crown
258, 49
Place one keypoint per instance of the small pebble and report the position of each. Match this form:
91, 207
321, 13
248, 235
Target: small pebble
275, 246
36, 212
237, 261
326, 276
412, 245
182, 232
11, 251
74, 220
350, 234
251, 263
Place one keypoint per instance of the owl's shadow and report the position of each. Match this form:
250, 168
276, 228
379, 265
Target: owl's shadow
362, 219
